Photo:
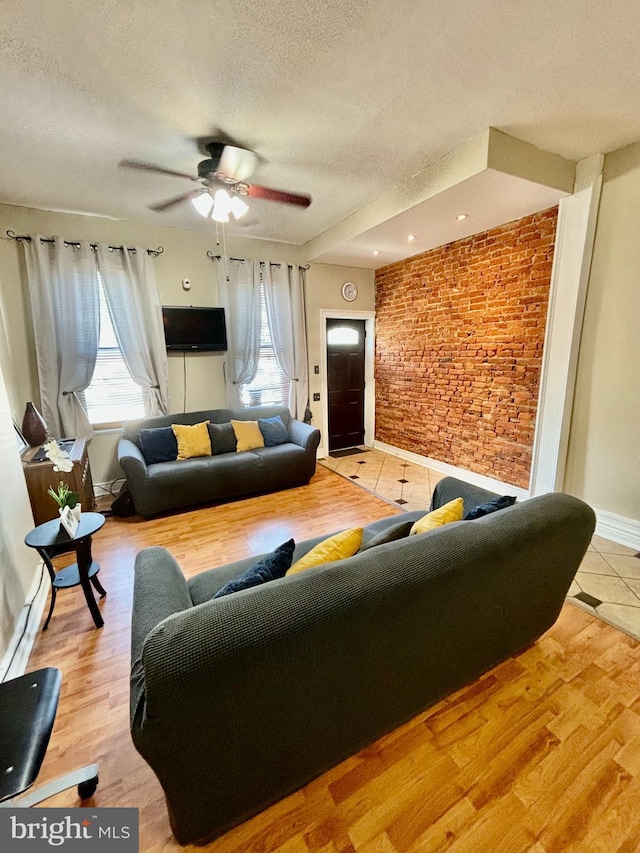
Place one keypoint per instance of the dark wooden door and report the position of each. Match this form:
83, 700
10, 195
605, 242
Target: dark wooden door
345, 380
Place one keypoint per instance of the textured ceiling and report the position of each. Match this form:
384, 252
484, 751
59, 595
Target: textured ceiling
340, 100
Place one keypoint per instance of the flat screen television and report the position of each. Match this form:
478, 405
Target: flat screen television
192, 328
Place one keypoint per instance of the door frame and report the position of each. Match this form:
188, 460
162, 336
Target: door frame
369, 372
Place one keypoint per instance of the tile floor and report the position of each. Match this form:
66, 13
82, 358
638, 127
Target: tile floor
607, 583
404, 484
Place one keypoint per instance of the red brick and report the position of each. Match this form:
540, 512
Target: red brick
459, 341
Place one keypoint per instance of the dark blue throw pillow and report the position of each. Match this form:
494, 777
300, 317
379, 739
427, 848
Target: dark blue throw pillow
269, 568
501, 502
158, 445
273, 431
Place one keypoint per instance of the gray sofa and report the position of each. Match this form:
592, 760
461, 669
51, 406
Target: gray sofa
169, 485
238, 701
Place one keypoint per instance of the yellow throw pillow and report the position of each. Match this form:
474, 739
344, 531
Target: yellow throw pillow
192, 440
248, 435
452, 511
337, 547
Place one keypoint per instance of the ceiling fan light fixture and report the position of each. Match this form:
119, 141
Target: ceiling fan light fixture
221, 202
203, 203
238, 207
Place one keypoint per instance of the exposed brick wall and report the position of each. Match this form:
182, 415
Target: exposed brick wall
459, 338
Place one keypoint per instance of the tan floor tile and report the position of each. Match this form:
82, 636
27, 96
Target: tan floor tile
388, 492
366, 483
418, 506
626, 567
620, 616
595, 563
609, 589
574, 589
606, 546
634, 585
329, 462
435, 477
417, 474
417, 493
347, 466
370, 470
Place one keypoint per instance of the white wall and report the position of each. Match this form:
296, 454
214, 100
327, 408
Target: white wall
324, 286
17, 562
603, 465
184, 256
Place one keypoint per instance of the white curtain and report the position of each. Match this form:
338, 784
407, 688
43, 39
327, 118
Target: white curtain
284, 298
239, 291
129, 282
63, 288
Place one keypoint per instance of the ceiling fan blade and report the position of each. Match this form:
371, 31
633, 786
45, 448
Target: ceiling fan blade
149, 167
268, 194
165, 205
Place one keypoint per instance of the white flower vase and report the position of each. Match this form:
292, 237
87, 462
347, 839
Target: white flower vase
76, 511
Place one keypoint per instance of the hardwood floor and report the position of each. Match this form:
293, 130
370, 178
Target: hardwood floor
542, 754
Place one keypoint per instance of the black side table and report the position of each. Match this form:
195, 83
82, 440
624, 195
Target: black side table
51, 539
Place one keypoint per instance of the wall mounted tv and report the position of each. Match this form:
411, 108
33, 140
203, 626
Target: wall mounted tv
194, 329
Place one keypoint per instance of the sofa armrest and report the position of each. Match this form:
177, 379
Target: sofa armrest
305, 435
159, 590
131, 458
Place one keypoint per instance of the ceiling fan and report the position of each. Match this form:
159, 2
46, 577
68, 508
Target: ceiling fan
223, 178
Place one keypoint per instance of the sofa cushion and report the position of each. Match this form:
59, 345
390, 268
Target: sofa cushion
158, 445
451, 511
192, 440
222, 437
338, 547
248, 435
501, 502
273, 431
269, 568
391, 534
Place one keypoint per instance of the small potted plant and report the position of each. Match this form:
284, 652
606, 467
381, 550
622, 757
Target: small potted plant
64, 496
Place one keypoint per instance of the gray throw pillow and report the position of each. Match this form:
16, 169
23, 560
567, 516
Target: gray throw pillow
390, 534
222, 437
269, 568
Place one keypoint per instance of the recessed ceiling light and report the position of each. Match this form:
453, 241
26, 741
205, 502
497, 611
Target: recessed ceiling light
461, 216
411, 238
376, 251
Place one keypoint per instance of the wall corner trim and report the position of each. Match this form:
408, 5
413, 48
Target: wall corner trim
577, 218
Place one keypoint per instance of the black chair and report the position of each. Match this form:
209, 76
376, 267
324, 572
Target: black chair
28, 707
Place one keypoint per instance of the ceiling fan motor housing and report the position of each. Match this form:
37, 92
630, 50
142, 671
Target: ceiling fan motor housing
207, 168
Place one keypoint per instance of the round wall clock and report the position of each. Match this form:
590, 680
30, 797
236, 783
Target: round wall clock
349, 291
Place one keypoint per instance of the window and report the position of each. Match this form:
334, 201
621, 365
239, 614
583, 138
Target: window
342, 336
270, 386
112, 396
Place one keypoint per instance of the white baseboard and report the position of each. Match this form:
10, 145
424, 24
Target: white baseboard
617, 528
110, 488
452, 471
16, 658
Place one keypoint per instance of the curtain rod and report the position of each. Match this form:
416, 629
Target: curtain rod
21, 237
213, 257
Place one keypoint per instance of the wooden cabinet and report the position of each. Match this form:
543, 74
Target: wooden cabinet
40, 475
